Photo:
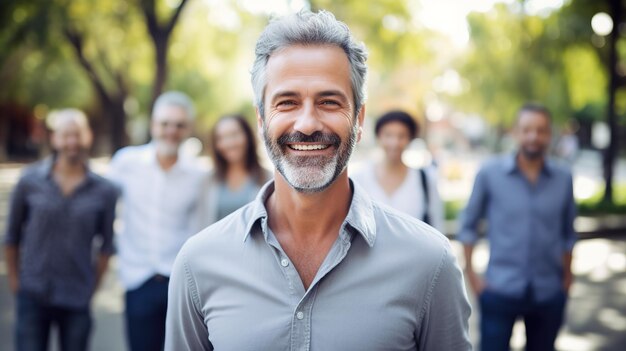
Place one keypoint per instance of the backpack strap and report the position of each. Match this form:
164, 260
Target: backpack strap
424, 181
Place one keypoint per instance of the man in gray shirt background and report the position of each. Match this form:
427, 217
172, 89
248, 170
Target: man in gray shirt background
313, 263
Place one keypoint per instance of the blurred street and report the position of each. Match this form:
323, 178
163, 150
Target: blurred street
596, 314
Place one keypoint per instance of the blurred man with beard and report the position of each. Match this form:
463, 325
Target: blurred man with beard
313, 263
160, 203
529, 207
58, 211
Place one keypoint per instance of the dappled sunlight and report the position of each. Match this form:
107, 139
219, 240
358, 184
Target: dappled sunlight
589, 256
585, 187
109, 298
612, 319
583, 342
617, 262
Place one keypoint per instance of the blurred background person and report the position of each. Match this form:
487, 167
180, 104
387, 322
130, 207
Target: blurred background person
568, 146
528, 203
160, 204
237, 175
392, 182
58, 207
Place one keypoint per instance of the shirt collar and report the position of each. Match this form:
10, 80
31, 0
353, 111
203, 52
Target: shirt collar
182, 162
510, 164
45, 170
360, 215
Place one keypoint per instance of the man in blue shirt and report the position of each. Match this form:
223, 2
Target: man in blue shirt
59, 238
529, 206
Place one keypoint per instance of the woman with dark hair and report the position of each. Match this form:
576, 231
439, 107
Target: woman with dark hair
237, 174
392, 182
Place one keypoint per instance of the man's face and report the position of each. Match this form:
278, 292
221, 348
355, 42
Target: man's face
310, 128
533, 134
71, 141
394, 137
170, 127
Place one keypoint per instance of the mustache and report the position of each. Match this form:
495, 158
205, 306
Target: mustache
317, 137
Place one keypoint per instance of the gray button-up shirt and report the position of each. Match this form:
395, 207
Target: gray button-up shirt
530, 226
389, 282
56, 234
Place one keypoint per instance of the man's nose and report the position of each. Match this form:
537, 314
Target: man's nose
308, 120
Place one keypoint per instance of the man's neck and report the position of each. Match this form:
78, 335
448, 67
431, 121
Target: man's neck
69, 167
529, 164
309, 217
167, 161
530, 167
393, 165
237, 168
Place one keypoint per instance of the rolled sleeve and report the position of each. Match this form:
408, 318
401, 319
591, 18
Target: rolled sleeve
185, 328
444, 324
18, 210
106, 231
569, 234
474, 211
436, 207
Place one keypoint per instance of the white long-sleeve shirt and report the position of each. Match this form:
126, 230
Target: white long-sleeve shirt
159, 211
409, 197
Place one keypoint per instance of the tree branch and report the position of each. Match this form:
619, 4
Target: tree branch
148, 10
76, 41
175, 16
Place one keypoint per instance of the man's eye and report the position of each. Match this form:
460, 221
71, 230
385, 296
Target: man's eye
330, 103
286, 103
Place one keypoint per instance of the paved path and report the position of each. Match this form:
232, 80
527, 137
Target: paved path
596, 315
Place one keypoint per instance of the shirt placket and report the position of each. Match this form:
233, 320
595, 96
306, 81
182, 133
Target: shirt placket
534, 240
157, 217
302, 313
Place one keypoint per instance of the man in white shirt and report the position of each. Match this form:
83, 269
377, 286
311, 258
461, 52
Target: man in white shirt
160, 200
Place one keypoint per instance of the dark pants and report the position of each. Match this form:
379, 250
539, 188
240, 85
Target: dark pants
146, 308
35, 319
542, 320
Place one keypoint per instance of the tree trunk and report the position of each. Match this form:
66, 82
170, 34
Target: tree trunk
117, 116
160, 34
610, 152
160, 74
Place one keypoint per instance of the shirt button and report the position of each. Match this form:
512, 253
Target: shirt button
300, 315
284, 262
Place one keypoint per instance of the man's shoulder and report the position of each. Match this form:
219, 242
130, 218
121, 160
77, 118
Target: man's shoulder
34, 172
130, 153
105, 185
495, 163
228, 233
559, 168
399, 230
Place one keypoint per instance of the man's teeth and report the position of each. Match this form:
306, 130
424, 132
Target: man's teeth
308, 147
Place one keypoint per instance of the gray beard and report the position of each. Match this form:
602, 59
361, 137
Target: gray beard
310, 174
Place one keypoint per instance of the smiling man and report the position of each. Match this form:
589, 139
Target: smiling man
529, 205
160, 207
313, 263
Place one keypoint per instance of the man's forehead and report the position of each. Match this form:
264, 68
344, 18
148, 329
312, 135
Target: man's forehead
300, 64
68, 126
527, 116
169, 111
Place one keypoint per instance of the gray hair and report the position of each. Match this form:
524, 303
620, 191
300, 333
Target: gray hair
176, 98
307, 28
57, 119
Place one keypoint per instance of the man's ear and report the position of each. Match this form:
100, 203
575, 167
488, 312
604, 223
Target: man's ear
360, 118
259, 122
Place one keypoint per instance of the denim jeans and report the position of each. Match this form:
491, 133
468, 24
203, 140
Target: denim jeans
542, 320
146, 309
35, 319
